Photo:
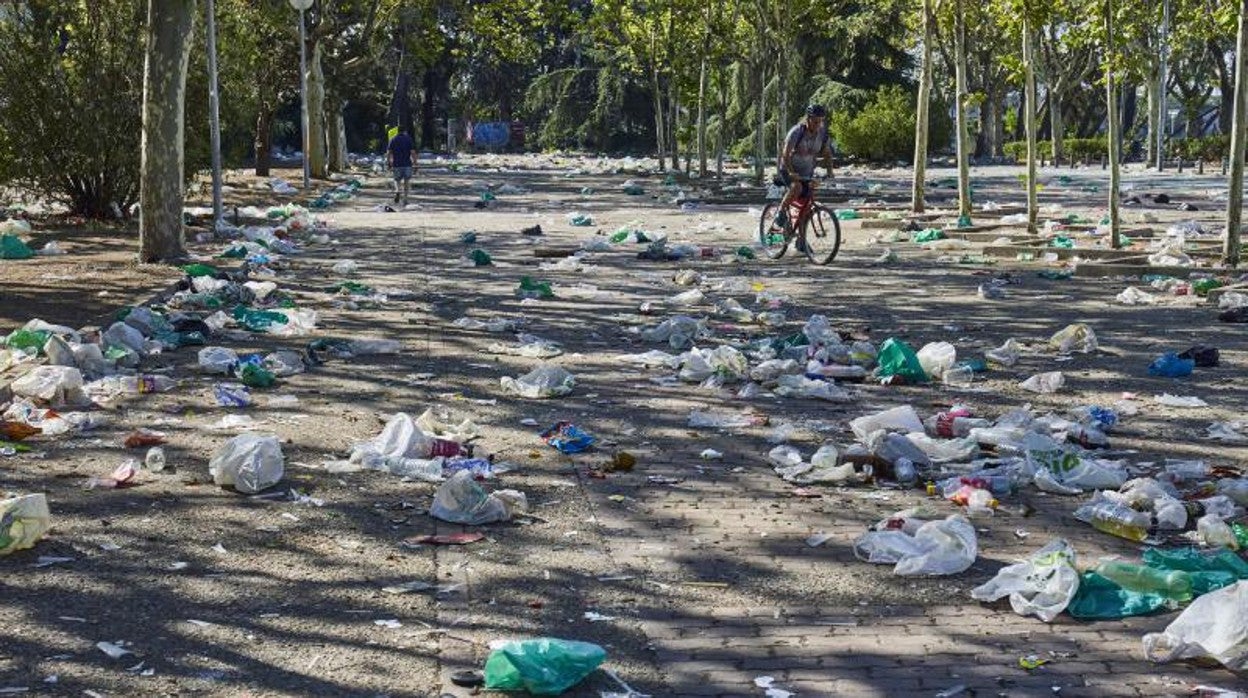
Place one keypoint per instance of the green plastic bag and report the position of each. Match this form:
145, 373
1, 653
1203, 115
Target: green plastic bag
846, 214
1202, 287
195, 270
544, 667
12, 247
1210, 569
928, 235
530, 288
1100, 599
581, 219
1063, 242
896, 358
480, 257
254, 376
744, 252
30, 341
258, 320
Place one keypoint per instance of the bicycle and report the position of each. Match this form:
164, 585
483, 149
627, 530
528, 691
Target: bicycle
814, 227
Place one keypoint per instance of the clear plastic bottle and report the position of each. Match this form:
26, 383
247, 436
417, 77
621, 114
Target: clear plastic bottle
958, 377
429, 470
1172, 584
1116, 519
155, 459
1216, 532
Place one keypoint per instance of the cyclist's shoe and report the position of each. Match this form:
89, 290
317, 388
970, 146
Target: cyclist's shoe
800, 245
396, 197
781, 220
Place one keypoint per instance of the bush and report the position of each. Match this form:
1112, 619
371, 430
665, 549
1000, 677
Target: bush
1208, 148
1018, 150
883, 130
71, 93
1078, 148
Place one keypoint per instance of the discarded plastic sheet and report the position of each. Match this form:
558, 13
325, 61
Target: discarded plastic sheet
543, 667
249, 462
23, 521
1042, 585
936, 548
1215, 626
545, 381
461, 500
448, 539
1186, 402
566, 437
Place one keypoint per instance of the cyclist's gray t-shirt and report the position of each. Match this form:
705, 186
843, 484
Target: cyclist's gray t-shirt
806, 145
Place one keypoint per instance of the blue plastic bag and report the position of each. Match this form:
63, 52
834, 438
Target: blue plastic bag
1169, 365
567, 438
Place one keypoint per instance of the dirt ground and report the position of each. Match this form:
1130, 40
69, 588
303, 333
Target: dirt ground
700, 565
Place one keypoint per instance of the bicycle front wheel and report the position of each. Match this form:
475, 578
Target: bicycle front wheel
821, 236
772, 237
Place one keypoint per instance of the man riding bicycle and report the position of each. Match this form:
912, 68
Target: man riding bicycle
806, 142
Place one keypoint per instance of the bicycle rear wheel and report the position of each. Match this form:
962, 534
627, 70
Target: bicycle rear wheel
821, 236
773, 239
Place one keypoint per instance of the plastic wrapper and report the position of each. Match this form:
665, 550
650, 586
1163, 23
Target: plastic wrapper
249, 463
56, 386
23, 521
1043, 585
461, 500
543, 667
545, 381
936, 548
1214, 626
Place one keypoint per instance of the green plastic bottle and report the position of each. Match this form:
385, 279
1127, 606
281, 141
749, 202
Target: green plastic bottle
1172, 584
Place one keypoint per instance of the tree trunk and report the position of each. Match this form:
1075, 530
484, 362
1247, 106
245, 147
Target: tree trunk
1057, 127
1239, 136
964, 168
1111, 101
760, 139
673, 122
658, 116
316, 114
921, 114
169, 27
702, 70
721, 135
1028, 114
1150, 96
264, 139
337, 138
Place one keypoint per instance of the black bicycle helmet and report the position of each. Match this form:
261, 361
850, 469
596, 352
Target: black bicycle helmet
816, 110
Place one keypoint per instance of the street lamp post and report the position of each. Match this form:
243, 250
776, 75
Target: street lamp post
214, 111
302, 6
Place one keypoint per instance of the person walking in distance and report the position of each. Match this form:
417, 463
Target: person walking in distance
400, 158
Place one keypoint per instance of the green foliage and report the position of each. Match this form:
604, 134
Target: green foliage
1018, 149
883, 129
1078, 148
71, 92
1209, 148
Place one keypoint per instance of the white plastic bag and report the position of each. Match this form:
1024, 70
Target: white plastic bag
678, 331
52, 385
23, 521
1042, 585
249, 462
801, 386
936, 548
542, 382
1006, 354
217, 359
1044, 383
1215, 625
1076, 337
723, 361
937, 357
902, 418
461, 500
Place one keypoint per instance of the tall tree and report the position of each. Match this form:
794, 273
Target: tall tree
921, 120
169, 26
1239, 143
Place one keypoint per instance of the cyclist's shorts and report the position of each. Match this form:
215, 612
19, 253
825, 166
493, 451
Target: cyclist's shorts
401, 173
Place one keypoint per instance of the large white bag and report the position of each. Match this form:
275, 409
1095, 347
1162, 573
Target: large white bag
936, 548
1215, 625
1042, 585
